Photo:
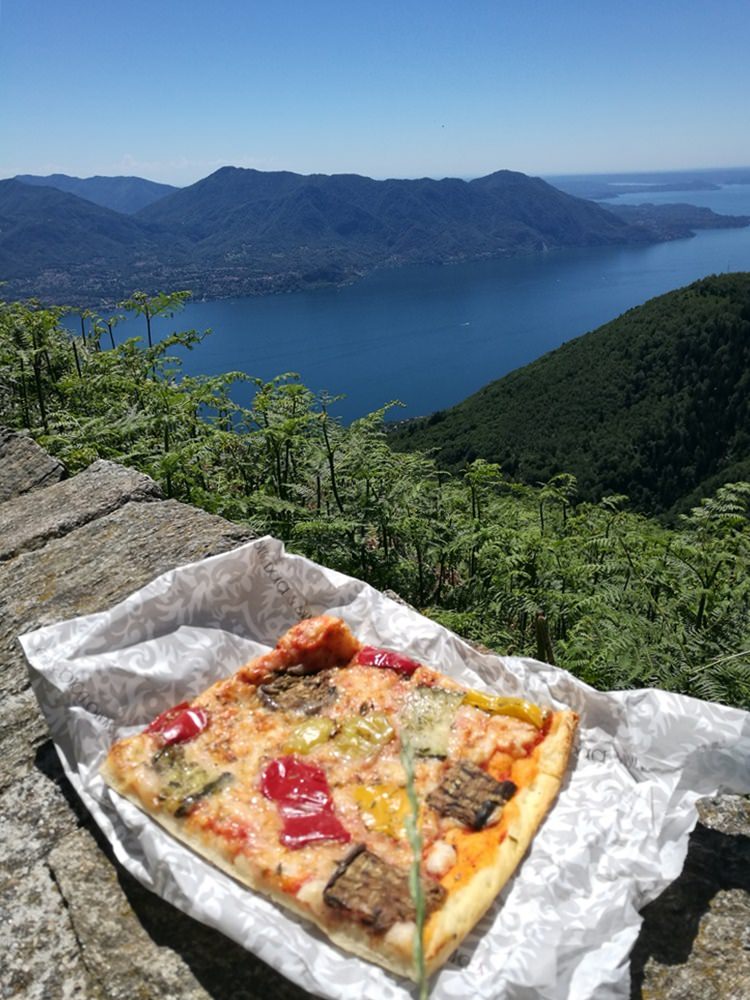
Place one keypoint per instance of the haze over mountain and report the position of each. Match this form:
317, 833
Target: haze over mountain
610, 186
121, 194
655, 405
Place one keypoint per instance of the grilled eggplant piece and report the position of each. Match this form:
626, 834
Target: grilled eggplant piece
187, 804
184, 783
376, 893
470, 795
307, 693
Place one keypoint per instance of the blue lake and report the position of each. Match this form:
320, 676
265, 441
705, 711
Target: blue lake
430, 336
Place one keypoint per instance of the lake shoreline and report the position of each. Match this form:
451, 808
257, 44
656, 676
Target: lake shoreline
432, 335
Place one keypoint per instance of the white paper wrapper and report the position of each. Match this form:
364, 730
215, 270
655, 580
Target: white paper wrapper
564, 925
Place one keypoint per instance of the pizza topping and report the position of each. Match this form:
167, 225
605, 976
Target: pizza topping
372, 656
168, 758
179, 724
315, 644
470, 795
440, 858
163, 720
212, 787
289, 693
361, 735
384, 808
518, 708
427, 718
309, 734
376, 893
179, 777
301, 792
401, 936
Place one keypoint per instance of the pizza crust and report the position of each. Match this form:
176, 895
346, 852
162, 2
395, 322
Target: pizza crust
523, 815
553, 754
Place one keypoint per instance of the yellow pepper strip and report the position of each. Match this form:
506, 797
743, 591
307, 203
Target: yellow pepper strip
519, 708
360, 735
309, 734
384, 808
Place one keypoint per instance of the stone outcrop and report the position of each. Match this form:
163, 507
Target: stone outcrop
695, 939
25, 466
73, 923
29, 522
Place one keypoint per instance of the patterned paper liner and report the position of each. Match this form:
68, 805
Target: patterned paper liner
565, 924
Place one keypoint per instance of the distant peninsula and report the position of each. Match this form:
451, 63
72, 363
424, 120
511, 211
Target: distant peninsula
244, 232
602, 187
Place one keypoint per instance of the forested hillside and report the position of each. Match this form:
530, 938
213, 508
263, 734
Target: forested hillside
52, 242
615, 597
247, 232
654, 405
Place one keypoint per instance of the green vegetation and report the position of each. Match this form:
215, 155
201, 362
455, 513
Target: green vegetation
655, 405
628, 601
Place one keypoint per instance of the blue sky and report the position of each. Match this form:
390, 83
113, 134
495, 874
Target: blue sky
173, 89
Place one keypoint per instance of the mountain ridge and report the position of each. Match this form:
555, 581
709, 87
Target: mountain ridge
122, 194
49, 238
242, 231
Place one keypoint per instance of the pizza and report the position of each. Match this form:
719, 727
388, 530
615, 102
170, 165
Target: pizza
290, 776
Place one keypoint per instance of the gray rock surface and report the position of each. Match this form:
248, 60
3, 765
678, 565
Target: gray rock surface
695, 939
24, 466
96, 565
121, 928
74, 924
34, 815
23, 729
110, 936
27, 522
42, 958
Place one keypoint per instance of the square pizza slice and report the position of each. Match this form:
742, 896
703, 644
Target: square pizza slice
288, 775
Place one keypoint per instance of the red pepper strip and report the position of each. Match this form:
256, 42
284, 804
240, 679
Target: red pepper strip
371, 656
301, 792
179, 724
162, 721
